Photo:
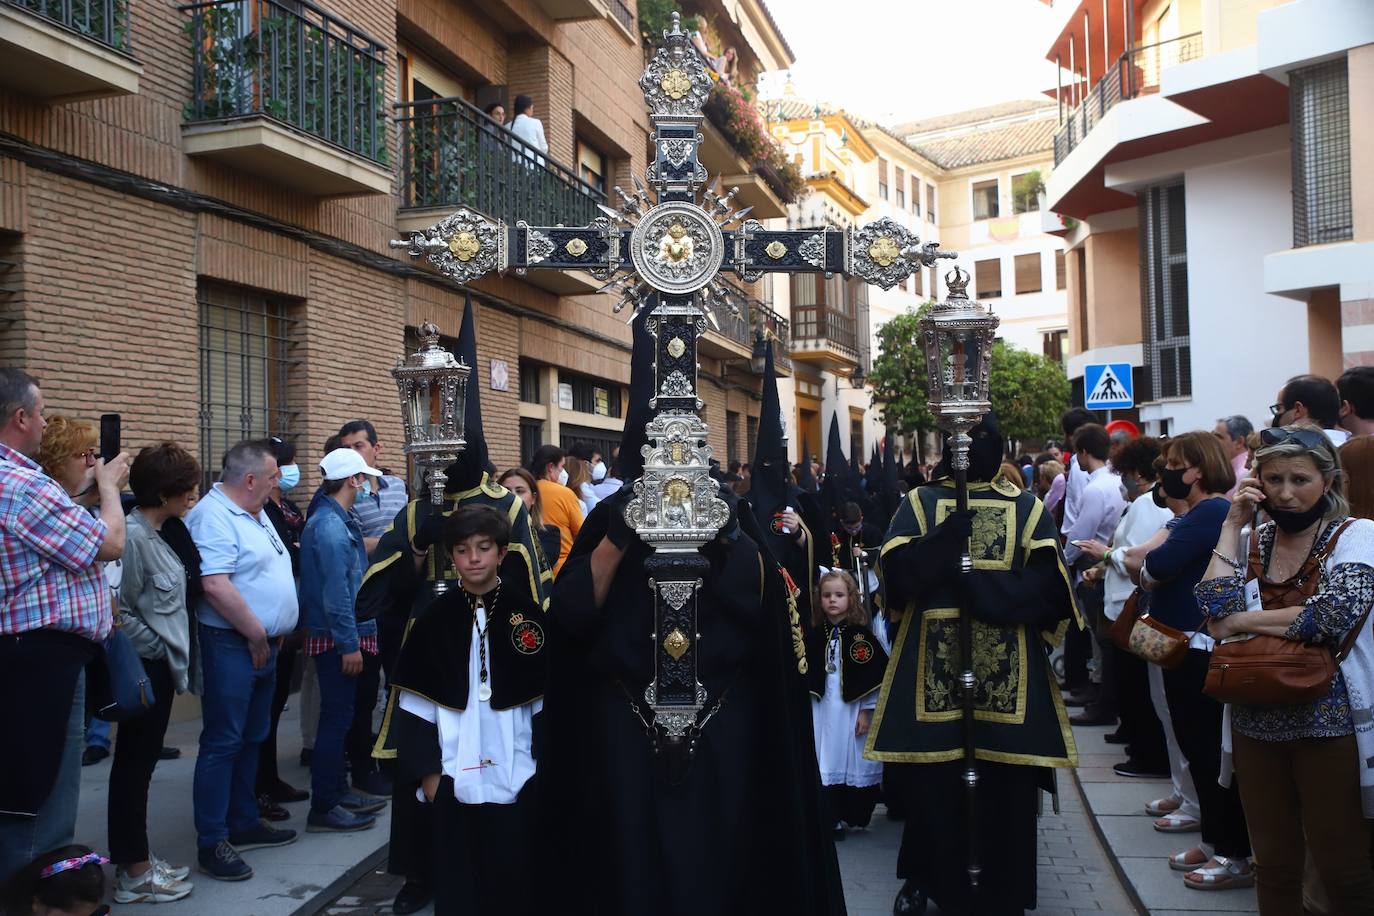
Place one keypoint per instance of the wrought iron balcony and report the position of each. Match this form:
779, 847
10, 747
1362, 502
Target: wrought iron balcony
1135, 73
292, 62
454, 155
816, 323
105, 21
742, 331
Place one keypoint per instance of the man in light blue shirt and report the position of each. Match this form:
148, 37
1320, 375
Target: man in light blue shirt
249, 603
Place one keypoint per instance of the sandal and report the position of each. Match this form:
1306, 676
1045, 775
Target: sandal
1175, 822
1162, 806
1226, 874
1188, 861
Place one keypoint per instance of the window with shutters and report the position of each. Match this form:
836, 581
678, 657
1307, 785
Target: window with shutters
1164, 290
245, 341
916, 282
930, 202
987, 278
915, 195
1319, 109
1054, 344
1059, 269
882, 178
985, 199
899, 183
732, 436
531, 383
1028, 273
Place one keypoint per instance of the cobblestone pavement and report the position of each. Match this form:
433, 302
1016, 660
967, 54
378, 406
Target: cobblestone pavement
1075, 876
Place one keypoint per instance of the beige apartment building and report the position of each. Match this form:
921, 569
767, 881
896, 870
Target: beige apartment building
1213, 165
196, 204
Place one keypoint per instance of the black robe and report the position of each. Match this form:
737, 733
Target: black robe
742, 833
1021, 601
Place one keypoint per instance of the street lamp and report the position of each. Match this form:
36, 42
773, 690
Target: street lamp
433, 387
957, 337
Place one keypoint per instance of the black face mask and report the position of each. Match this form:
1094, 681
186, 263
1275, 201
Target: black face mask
1293, 522
1171, 479
1157, 494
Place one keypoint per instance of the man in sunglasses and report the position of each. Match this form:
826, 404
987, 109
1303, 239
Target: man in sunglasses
1311, 398
248, 605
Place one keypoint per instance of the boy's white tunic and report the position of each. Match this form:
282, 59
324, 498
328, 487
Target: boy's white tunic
839, 754
485, 751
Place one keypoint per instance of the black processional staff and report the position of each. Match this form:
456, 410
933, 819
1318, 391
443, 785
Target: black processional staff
957, 336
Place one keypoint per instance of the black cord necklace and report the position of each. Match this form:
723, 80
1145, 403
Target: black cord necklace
488, 607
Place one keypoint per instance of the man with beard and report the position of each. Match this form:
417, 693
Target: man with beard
1020, 597
631, 826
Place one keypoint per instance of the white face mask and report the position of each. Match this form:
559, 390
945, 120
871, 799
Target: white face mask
598, 472
563, 476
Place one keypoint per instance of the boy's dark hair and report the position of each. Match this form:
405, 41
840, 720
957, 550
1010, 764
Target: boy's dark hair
1356, 385
473, 520
1136, 456
544, 456
63, 891
1071, 419
581, 450
161, 471
523, 103
359, 426
1317, 394
1093, 439
851, 513
332, 487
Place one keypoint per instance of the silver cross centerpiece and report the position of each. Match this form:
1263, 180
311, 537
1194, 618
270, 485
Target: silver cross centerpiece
669, 248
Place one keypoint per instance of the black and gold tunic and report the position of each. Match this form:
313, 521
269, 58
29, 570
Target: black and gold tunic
1021, 598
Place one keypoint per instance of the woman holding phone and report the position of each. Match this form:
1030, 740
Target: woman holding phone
1304, 576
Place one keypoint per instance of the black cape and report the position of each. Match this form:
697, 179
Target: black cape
861, 661
743, 832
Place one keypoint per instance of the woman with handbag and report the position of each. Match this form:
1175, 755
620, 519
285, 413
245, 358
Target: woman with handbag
1303, 586
1197, 473
153, 612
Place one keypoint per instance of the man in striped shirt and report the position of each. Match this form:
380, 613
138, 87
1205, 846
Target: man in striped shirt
55, 608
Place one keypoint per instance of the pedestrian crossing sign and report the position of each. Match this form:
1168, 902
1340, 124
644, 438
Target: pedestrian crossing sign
1107, 386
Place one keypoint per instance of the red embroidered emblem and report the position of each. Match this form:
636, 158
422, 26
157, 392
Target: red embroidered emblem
527, 637
861, 652
776, 524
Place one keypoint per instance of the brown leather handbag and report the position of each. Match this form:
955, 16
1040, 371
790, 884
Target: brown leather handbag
1136, 632
1271, 670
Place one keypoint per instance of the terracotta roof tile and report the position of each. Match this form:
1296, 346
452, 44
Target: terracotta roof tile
972, 116
1008, 142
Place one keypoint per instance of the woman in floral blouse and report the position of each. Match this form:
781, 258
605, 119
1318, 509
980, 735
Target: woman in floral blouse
1298, 764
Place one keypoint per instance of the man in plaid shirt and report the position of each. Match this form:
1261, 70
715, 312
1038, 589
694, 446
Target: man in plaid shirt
55, 608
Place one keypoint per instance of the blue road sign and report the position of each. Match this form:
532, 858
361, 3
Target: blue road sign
1107, 386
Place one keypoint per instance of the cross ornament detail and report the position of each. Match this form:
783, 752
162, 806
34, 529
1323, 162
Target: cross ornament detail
669, 252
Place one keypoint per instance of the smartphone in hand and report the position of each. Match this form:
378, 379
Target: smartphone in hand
109, 436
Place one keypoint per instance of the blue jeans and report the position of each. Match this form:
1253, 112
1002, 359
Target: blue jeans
98, 733
328, 780
23, 839
236, 714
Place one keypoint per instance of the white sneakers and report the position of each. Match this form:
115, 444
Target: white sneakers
163, 883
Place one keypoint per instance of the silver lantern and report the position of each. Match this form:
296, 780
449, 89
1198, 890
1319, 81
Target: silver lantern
433, 388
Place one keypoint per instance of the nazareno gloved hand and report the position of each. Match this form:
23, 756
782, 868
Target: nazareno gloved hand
939, 551
431, 530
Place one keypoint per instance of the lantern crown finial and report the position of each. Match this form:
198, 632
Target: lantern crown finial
957, 280
429, 335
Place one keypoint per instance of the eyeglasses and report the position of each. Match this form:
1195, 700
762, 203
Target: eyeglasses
272, 536
1276, 409
1307, 438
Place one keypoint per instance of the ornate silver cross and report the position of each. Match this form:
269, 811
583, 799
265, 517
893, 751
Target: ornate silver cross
669, 252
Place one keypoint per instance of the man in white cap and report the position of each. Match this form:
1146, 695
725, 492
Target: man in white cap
333, 558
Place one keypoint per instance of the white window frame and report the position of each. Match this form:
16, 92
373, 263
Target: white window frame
972, 210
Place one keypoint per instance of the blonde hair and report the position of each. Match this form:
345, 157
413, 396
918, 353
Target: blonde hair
577, 475
858, 614
1012, 475
1046, 473
63, 439
1324, 456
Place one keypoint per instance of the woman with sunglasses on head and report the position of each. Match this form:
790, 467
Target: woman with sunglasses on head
1299, 764
1197, 474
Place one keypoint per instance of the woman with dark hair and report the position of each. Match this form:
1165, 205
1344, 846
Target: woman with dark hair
521, 482
153, 612
289, 522
67, 881
1299, 764
1197, 473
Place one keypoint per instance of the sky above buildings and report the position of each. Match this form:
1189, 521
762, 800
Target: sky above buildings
899, 60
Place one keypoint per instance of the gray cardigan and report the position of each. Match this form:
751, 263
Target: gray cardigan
152, 600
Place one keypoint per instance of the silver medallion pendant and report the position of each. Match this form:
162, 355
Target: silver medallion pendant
484, 693
830, 668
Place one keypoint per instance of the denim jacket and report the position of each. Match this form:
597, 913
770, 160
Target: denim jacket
332, 563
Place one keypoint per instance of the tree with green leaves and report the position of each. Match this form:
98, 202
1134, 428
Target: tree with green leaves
1027, 390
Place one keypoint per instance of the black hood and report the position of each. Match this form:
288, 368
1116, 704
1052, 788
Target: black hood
467, 471
890, 493
630, 460
841, 483
805, 479
771, 483
984, 455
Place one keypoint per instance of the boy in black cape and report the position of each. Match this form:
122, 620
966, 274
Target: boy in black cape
469, 685
740, 832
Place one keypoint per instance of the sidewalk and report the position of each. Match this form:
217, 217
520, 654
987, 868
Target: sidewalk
1117, 804
284, 878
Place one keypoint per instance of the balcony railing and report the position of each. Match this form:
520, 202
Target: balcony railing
816, 322
1136, 73
454, 155
623, 15
105, 21
291, 61
744, 327
779, 329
